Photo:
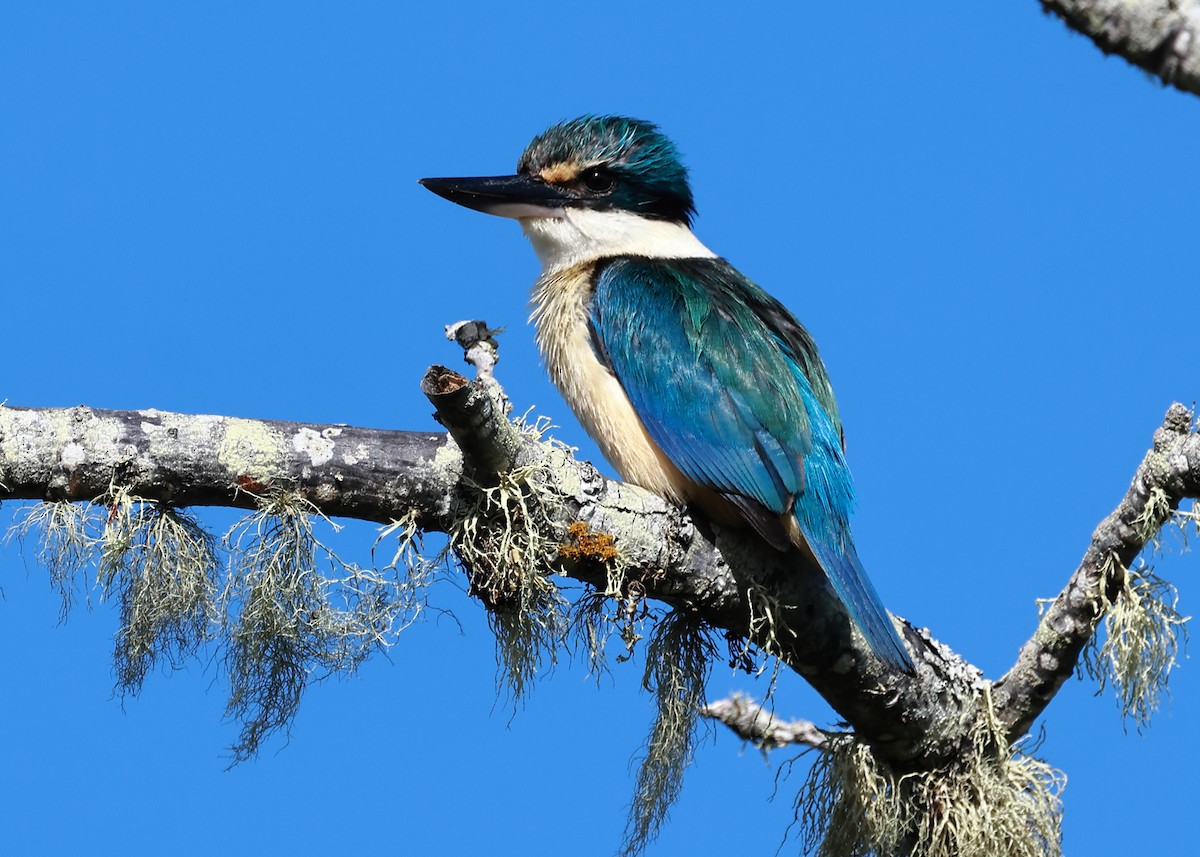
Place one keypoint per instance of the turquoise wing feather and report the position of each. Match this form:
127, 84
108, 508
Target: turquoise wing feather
731, 388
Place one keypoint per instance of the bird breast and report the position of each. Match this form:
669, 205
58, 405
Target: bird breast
560, 316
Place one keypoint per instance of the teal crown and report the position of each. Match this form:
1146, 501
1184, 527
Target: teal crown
649, 178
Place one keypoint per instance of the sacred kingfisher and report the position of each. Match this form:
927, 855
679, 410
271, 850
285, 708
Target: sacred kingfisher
695, 383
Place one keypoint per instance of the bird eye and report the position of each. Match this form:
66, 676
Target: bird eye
598, 180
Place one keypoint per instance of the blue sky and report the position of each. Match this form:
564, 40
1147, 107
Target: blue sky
213, 209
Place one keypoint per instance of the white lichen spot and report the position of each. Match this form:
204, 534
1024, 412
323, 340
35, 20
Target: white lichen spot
252, 450
315, 445
448, 459
73, 455
103, 437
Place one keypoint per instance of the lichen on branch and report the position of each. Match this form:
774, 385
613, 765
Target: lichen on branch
993, 800
679, 656
1143, 633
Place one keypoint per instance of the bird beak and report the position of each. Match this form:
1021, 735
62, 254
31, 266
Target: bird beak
505, 196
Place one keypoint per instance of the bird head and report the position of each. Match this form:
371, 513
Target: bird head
593, 163
591, 188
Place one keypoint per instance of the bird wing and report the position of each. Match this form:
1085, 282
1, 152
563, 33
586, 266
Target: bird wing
716, 383
731, 388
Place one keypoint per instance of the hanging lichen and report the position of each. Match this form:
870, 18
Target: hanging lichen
67, 542
161, 566
1143, 632
994, 801
505, 540
411, 567
289, 622
678, 657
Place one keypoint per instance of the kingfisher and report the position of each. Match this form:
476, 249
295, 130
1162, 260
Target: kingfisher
695, 383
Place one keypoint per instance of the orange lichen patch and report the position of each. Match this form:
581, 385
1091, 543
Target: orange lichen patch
586, 544
247, 483
562, 172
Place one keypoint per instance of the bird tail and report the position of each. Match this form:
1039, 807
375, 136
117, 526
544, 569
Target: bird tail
838, 558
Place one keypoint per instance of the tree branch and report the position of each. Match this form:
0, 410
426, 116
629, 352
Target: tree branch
727, 578
1169, 473
1160, 36
81, 453
476, 420
751, 722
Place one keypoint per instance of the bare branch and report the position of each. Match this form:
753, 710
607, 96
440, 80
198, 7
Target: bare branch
1160, 36
751, 722
476, 419
369, 474
1169, 473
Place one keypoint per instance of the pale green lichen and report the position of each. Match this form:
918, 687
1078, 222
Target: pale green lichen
66, 536
1156, 511
505, 541
161, 566
290, 610
411, 566
1143, 634
678, 657
589, 629
768, 630
289, 622
1143, 630
994, 801
506, 538
1186, 523
251, 451
155, 561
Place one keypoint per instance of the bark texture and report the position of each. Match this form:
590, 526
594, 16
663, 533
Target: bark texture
751, 722
1160, 36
